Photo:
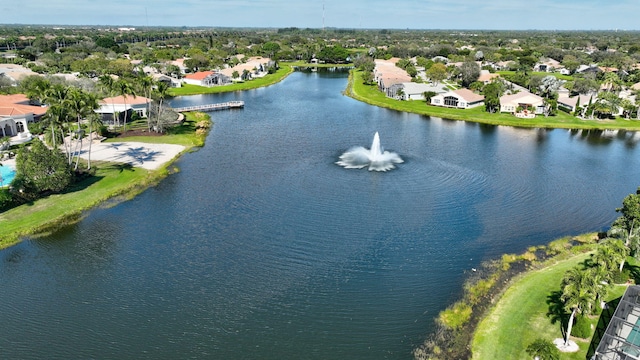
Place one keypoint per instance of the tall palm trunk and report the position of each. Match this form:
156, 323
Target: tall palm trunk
90, 142
569, 326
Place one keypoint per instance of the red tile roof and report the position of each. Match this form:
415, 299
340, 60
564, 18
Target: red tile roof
18, 104
200, 75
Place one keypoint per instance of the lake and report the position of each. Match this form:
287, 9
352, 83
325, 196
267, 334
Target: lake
261, 247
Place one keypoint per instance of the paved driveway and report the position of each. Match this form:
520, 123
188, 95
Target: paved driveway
148, 156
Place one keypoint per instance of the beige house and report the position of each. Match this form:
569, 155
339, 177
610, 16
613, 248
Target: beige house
388, 76
487, 77
255, 66
570, 103
461, 99
524, 101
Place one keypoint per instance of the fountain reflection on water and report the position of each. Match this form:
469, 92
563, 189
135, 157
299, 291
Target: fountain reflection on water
375, 158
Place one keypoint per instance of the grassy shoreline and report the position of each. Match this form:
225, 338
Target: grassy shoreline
270, 79
111, 184
371, 95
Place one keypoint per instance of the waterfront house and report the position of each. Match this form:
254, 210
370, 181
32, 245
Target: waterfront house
415, 91
207, 78
253, 67
119, 105
389, 77
569, 103
523, 103
461, 99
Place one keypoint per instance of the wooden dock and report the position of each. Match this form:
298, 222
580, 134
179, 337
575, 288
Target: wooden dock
211, 107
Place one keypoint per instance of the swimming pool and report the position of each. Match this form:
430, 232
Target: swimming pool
7, 173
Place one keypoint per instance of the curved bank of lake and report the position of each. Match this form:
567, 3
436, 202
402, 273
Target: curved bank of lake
371, 95
262, 247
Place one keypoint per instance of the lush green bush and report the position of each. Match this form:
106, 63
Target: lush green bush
103, 131
455, 316
621, 277
5, 199
543, 349
581, 328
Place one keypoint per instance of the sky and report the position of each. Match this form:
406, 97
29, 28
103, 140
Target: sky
353, 14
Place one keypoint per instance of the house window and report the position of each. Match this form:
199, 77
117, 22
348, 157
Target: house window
140, 113
450, 101
20, 127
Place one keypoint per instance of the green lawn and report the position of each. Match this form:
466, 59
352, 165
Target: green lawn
520, 316
371, 95
267, 80
109, 181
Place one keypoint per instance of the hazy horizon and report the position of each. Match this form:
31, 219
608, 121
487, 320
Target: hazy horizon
570, 15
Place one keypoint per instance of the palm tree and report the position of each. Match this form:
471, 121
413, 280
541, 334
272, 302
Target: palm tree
599, 278
54, 118
161, 92
578, 295
92, 120
81, 104
618, 251
124, 88
57, 95
146, 84
38, 90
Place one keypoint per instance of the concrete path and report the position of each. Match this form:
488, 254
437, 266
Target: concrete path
147, 156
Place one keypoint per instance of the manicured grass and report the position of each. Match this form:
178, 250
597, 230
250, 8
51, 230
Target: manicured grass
59, 209
267, 80
371, 95
111, 180
521, 315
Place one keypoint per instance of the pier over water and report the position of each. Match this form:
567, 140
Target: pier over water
211, 107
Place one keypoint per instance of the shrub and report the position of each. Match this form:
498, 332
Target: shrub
543, 349
582, 328
103, 131
621, 277
507, 259
480, 289
456, 315
558, 246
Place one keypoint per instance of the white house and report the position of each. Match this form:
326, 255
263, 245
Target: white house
15, 114
120, 105
206, 78
570, 103
524, 101
461, 98
415, 91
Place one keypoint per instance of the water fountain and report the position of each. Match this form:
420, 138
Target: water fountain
375, 158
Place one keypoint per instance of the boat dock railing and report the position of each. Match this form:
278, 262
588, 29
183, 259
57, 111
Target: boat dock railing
211, 107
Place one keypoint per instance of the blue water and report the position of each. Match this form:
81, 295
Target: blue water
7, 173
261, 247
